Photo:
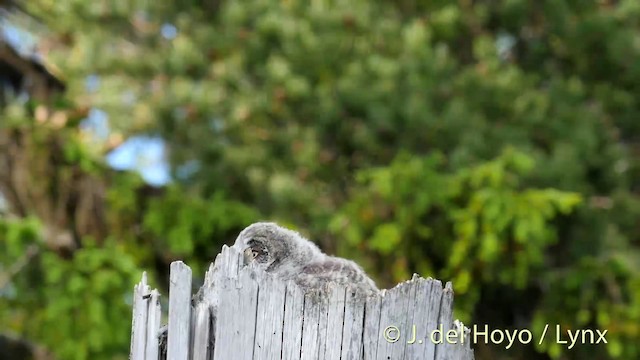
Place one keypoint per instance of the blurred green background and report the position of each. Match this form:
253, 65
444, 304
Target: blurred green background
491, 143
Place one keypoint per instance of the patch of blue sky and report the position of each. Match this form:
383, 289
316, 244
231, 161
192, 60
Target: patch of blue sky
504, 44
168, 31
144, 154
92, 83
21, 40
97, 124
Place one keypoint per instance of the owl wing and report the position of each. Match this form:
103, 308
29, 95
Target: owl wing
334, 270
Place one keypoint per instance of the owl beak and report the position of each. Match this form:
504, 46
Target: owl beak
247, 256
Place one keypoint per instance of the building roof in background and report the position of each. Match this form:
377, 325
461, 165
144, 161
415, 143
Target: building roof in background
19, 57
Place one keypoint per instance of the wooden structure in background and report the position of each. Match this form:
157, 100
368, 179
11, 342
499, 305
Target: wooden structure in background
25, 72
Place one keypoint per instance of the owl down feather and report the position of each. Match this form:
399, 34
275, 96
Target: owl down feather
287, 255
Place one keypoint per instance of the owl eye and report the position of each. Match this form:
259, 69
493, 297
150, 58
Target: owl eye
254, 253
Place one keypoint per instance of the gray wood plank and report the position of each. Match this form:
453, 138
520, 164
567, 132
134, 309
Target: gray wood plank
463, 350
372, 327
323, 319
236, 317
270, 318
154, 317
293, 315
353, 328
202, 332
225, 328
426, 310
393, 322
449, 350
445, 319
139, 319
310, 324
335, 323
179, 311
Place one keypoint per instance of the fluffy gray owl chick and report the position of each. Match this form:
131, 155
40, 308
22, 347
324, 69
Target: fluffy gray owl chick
289, 256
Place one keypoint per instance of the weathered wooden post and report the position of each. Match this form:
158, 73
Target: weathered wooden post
145, 322
242, 313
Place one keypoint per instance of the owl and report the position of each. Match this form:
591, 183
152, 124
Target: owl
289, 256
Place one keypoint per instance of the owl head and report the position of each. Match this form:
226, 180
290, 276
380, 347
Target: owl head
274, 248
